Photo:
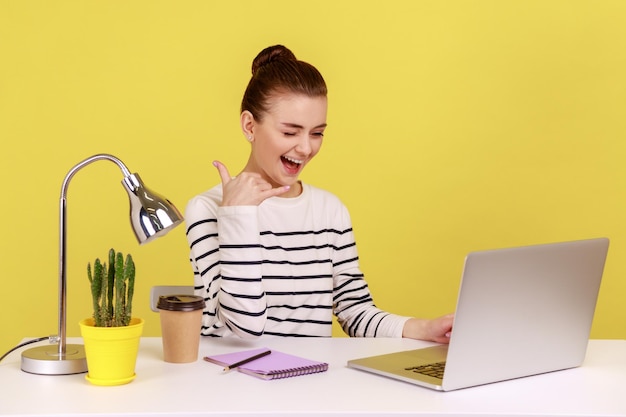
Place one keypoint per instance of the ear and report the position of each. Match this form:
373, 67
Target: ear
247, 124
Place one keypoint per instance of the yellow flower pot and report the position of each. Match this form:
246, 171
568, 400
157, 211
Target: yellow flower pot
111, 351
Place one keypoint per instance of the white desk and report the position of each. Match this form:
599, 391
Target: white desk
598, 388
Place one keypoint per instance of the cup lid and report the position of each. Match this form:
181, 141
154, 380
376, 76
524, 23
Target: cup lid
180, 302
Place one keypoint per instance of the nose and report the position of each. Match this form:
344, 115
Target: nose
303, 147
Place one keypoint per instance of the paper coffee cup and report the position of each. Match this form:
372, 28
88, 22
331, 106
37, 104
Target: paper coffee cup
181, 321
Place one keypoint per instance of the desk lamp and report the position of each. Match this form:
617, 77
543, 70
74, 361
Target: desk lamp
151, 216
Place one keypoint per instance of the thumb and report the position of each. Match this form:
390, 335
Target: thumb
223, 171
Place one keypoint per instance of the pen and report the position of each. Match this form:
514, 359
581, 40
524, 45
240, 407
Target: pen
244, 361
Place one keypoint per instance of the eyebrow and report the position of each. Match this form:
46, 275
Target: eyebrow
297, 126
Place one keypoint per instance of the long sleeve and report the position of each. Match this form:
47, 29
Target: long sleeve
226, 258
353, 304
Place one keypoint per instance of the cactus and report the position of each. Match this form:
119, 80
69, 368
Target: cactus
110, 284
129, 276
112, 290
96, 290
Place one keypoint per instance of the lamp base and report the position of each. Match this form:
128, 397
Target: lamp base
46, 360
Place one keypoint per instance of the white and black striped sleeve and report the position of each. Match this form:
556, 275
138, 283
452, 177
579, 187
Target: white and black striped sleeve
353, 304
226, 258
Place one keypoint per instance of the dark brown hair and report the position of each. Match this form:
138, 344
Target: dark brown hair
276, 70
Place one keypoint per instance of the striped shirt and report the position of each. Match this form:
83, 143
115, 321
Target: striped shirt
282, 268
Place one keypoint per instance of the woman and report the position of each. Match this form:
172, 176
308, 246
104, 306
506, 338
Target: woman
270, 254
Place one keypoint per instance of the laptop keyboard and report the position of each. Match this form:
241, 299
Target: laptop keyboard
432, 369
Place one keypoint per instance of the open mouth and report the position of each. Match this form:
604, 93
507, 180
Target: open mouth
291, 165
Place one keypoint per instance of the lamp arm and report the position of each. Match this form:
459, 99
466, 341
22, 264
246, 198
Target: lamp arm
63, 241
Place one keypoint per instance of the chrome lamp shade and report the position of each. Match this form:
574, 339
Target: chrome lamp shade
151, 216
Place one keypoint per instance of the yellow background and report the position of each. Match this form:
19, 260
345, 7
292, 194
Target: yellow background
453, 126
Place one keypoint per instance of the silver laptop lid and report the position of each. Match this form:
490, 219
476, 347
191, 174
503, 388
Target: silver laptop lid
524, 311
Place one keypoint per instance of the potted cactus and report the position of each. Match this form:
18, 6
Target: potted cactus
112, 290
111, 335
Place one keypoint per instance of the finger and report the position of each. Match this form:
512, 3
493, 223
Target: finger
223, 171
264, 195
277, 191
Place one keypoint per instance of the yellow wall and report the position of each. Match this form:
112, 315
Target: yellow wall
453, 126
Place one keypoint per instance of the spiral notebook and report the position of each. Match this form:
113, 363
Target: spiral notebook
273, 366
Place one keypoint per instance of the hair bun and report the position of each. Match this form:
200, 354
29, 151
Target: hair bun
271, 54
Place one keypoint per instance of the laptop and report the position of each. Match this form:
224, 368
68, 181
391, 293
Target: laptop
520, 311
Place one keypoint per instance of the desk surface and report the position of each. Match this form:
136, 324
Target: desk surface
598, 388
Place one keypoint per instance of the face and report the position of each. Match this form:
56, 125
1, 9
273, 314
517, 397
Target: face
286, 139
